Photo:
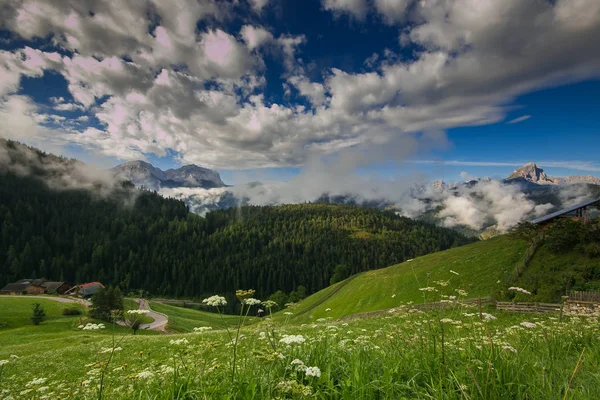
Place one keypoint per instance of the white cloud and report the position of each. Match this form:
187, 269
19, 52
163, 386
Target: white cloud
203, 95
356, 8
519, 119
255, 36
258, 5
392, 11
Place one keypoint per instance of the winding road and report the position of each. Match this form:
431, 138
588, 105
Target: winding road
160, 320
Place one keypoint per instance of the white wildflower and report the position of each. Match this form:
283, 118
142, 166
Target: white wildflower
251, 301
138, 312
509, 348
145, 374
290, 339
215, 301
488, 316
328, 309
393, 296
3, 362
454, 272
527, 324
461, 292
313, 371
202, 329
178, 342
428, 289
297, 362
15, 357
518, 289
288, 313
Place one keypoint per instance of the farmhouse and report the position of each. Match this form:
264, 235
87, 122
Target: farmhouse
55, 287
86, 289
23, 286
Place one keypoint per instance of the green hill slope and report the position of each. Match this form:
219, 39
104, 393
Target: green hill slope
479, 266
479, 269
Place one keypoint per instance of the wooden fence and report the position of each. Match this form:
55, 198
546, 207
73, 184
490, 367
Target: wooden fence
528, 307
584, 296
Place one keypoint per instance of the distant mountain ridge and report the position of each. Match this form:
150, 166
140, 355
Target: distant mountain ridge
532, 173
141, 173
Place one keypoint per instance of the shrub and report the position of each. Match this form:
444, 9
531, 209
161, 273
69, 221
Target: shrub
38, 314
71, 311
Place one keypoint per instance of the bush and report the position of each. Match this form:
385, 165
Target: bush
592, 250
38, 314
71, 311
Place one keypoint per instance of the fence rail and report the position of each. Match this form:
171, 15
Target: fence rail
584, 296
528, 307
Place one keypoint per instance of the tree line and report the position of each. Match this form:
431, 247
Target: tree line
139, 240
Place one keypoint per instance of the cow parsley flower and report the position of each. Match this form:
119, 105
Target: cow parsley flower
145, 374
509, 348
454, 272
3, 362
202, 329
488, 316
138, 312
527, 324
313, 371
518, 289
428, 289
291, 339
178, 342
215, 301
251, 301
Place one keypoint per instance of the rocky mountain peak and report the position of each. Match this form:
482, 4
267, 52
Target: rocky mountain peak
530, 172
141, 173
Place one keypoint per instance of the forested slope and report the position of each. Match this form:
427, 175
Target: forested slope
139, 240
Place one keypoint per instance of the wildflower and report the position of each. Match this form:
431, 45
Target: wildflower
528, 324
36, 381
281, 356
393, 296
328, 309
290, 339
178, 342
138, 312
509, 348
452, 297
313, 371
251, 302
215, 301
488, 316
15, 357
269, 304
461, 292
109, 350
145, 375
428, 289
454, 272
244, 294
441, 283
3, 362
288, 313
297, 362
260, 311
202, 329
518, 289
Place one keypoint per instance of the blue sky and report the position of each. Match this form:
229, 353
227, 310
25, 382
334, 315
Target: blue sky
260, 89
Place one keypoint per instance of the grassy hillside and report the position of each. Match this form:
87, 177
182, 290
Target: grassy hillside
479, 266
550, 273
183, 320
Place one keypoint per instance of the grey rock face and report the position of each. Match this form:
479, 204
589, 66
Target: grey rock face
141, 173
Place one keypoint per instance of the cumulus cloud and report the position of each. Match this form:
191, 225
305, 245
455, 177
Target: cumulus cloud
355, 8
258, 5
154, 83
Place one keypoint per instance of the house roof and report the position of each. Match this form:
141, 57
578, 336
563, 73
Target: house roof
565, 211
50, 286
18, 286
85, 285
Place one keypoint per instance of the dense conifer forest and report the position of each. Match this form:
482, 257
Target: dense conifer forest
139, 240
